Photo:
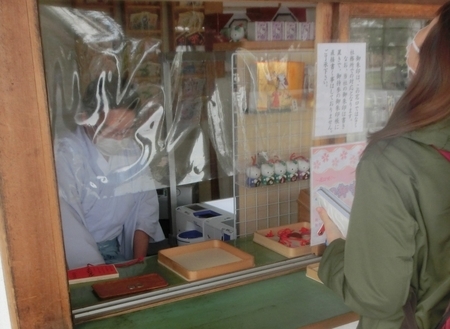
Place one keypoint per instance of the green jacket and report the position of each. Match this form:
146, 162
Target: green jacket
399, 233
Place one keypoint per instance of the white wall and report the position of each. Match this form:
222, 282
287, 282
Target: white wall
352, 325
5, 321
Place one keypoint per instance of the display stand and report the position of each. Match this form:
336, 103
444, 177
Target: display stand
261, 128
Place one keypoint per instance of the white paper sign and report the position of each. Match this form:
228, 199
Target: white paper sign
341, 76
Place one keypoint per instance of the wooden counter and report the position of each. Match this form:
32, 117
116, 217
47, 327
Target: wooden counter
288, 301
284, 299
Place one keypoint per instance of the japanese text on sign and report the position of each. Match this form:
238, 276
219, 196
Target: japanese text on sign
341, 79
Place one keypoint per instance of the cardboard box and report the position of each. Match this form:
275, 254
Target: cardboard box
303, 31
258, 31
276, 31
205, 259
312, 31
290, 31
272, 243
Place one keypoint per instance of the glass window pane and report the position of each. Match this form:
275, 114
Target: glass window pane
386, 72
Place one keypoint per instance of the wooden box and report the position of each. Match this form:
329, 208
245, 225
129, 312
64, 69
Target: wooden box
304, 205
312, 272
273, 244
205, 260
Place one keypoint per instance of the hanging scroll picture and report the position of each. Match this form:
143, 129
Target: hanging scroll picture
341, 70
279, 85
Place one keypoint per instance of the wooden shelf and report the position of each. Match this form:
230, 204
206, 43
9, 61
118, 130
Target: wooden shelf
107, 6
189, 8
263, 45
142, 33
142, 7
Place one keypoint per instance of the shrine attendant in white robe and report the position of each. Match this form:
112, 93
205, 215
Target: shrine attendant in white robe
109, 206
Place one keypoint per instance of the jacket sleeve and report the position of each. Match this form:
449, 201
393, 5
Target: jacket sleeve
372, 269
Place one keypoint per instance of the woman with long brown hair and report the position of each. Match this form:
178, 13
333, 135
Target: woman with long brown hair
393, 268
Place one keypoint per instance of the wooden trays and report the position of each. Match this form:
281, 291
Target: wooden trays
304, 203
205, 259
273, 244
312, 272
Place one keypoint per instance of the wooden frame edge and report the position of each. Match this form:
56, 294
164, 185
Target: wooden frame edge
391, 10
32, 248
334, 322
29, 210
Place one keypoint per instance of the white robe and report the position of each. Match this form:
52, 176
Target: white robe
97, 204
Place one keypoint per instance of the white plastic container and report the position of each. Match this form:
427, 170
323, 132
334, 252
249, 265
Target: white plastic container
189, 237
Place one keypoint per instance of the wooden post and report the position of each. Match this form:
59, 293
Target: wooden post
30, 233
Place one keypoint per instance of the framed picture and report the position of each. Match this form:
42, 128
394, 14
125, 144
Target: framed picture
279, 85
142, 19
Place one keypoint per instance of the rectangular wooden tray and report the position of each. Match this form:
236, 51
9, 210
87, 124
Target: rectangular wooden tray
205, 259
312, 272
273, 244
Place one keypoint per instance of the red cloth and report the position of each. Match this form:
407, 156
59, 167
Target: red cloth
445, 154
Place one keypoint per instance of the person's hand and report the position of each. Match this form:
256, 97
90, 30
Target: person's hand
331, 230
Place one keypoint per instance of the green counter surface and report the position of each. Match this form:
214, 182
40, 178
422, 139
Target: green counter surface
284, 302
81, 294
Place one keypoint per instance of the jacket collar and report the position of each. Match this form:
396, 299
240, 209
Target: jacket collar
437, 135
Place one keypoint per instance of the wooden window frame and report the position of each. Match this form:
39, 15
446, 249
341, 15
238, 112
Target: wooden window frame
31, 244
31, 239
411, 10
